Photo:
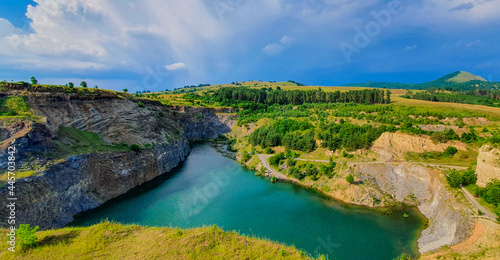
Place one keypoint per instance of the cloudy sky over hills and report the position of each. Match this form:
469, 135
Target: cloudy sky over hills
159, 44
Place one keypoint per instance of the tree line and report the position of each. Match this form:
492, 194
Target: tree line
228, 96
487, 97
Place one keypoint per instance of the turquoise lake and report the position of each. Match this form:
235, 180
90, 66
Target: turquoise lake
210, 189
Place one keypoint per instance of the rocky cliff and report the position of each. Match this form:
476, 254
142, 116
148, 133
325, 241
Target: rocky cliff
488, 165
449, 223
84, 182
205, 123
67, 186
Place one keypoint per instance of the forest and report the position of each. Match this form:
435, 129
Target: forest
486, 97
231, 96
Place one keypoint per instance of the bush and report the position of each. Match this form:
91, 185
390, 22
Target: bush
456, 178
450, 151
135, 148
277, 159
439, 137
497, 210
350, 179
140, 104
492, 192
245, 157
26, 236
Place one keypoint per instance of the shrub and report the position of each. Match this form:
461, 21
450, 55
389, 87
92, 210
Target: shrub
140, 104
350, 179
245, 157
26, 236
497, 210
492, 193
273, 179
450, 151
276, 159
135, 148
294, 172
439, 137
456, 178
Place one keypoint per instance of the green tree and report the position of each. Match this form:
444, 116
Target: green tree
388, 97
454, 178
350, 179
492, 194
245, 156
96, 87
450, 151
125, 90
27, 237
135, 148
83, 84
71, 85
34, 81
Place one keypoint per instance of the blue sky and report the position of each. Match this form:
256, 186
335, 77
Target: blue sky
164, 44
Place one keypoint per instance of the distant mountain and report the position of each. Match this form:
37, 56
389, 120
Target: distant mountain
458, 77
458, 80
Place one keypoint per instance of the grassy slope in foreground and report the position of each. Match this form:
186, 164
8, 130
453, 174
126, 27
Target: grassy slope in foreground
115, 241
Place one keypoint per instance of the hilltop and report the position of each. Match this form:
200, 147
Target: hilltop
459, 77
458, 80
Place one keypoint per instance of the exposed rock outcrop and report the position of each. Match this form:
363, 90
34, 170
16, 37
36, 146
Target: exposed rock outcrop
395, 145
205, 123
67, 187
488, 165
449, 223
84, 182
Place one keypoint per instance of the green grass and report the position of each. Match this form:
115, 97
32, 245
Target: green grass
462, 158
72, 141
14, 106
19, 175
115, 241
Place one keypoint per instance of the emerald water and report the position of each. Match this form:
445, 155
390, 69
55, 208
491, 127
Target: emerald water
210, 189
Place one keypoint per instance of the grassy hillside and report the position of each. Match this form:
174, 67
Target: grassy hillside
459, 77
459, 80
114, 241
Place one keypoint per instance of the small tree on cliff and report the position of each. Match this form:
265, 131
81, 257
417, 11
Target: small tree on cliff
83, 84
34, 81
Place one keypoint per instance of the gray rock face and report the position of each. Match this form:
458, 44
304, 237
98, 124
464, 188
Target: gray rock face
205, 123
86, 181
449, 223
83, 182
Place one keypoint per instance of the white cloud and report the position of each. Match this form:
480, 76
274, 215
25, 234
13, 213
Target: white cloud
273, 48
409, 48
473, 43
286, 40
176, 66
276, 48
6, 28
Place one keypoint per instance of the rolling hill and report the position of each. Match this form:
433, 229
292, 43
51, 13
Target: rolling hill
458, 80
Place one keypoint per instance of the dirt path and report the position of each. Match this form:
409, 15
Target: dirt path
263, 159
486, 212
377, 162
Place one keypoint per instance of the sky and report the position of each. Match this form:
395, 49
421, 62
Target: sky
165, 44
